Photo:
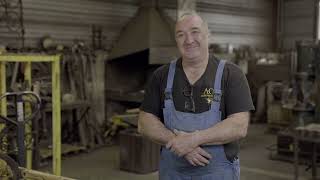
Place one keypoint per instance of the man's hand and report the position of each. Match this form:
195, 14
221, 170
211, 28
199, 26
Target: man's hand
183, 143
198, 157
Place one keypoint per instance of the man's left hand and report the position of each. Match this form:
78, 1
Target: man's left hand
183, 143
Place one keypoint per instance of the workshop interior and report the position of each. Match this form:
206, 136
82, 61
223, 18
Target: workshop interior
73, 75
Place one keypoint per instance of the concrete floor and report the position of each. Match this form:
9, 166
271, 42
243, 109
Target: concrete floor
103, 164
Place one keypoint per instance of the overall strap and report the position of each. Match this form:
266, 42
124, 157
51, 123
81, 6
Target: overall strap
168, 90
217, 86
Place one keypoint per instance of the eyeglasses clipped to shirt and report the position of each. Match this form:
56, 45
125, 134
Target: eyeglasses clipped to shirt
189, 104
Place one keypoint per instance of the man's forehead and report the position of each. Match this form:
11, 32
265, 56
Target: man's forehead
190, 21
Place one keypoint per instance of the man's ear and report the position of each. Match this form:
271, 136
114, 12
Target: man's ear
209, 35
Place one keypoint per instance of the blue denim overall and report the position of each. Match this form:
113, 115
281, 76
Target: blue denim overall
173, 167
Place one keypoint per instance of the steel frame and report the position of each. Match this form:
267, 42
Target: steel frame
56, 104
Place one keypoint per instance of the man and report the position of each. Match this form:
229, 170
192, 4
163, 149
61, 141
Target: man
197, 108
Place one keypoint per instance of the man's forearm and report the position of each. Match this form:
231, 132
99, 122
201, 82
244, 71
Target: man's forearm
151, 127
228, 130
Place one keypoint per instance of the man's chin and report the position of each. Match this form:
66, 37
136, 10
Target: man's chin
191, 56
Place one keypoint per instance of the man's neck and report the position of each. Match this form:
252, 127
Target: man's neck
194, 68
197, 63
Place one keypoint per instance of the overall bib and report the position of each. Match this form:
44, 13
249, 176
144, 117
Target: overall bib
173, 167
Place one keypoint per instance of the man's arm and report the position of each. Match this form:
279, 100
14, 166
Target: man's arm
234, 127
150, 126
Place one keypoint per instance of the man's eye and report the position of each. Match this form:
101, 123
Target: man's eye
180, 35
195, 32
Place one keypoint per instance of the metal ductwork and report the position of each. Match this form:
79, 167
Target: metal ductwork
150, 30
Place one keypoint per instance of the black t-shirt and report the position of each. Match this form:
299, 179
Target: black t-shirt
236, 95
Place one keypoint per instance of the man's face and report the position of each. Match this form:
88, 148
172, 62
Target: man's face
192, 37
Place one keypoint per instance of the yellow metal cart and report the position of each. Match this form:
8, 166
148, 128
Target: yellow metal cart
56, 106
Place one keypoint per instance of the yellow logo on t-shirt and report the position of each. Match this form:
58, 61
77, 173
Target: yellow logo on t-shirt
208, 95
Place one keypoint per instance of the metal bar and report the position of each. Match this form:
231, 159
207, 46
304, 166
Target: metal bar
314, 161
3, 110
3, 103
14, 74
20, 131
28, 126
22, 23
56, 116
296, 157
280, 23
27, 58
316, 20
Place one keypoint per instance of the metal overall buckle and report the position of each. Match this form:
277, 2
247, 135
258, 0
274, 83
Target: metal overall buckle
167, 94
217, 95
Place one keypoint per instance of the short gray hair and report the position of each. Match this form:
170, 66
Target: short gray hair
193, 13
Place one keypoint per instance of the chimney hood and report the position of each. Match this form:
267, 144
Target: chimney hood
150, 30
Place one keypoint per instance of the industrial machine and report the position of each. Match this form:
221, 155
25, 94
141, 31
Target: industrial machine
300, 98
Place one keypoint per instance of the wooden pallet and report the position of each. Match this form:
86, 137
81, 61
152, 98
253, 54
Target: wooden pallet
66, 149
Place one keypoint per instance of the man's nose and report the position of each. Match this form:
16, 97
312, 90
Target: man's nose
189, 39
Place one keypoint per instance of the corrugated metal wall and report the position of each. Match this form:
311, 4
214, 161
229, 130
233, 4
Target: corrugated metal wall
236, 22
66, 20
298, 21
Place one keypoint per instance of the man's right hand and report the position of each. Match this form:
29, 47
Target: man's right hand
198, 157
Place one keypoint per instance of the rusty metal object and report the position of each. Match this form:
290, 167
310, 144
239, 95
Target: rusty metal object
28, 174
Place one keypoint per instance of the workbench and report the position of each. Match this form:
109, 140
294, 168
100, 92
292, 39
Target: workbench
311, 134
